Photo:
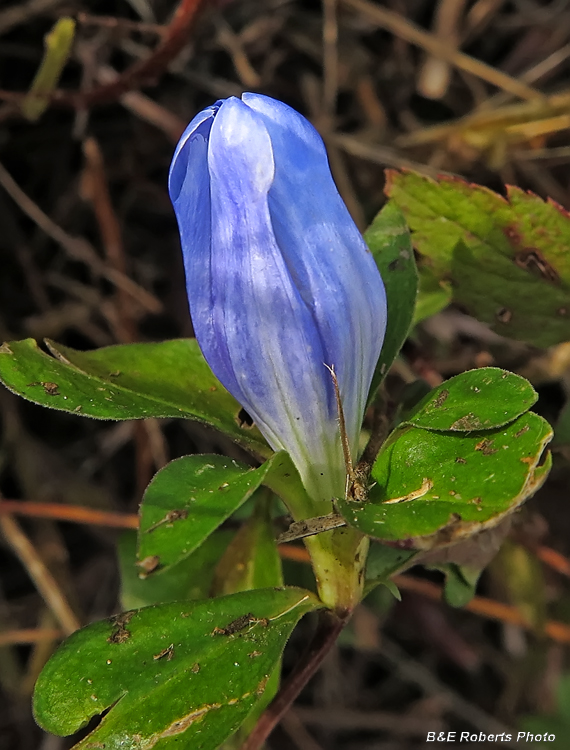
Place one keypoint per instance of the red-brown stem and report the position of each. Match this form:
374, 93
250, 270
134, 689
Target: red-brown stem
72, 513
175, 37
328, 629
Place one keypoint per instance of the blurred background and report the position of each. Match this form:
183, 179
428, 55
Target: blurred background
90, 257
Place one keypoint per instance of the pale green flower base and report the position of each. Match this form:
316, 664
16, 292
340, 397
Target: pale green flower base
339, 559
339, 556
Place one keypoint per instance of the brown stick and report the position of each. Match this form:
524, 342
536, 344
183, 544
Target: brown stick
400, 26
554, 560
330, 56
29, 635
146, 108
72, 513
22, 12
143, 71
76, 247
435, 75
38, 572
121, 24
95, 189
489, 608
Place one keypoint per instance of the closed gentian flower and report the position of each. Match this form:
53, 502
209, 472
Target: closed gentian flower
280, 282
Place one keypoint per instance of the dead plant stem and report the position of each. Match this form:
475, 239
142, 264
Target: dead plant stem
39, 573
401, 27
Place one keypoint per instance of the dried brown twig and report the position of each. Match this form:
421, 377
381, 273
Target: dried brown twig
146, 71
95, 189
76, 247
22, 12
39, 573
71, 513
175, 37
29, 635
408, 31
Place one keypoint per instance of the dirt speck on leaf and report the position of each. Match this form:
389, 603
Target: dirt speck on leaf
166, 653
120, 633
467, 423
440, 400
534, 261
504, 315
262, 685
168, 520
486, 447
522, 431
240, 623
52, 389
148, 565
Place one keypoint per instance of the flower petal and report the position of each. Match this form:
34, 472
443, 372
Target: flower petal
256, 331
333, 269
188, 158
189, 187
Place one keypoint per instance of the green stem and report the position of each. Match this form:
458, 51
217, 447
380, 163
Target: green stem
338, 558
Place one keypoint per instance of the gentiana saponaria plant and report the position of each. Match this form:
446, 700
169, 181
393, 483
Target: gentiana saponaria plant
283, 291
297, 323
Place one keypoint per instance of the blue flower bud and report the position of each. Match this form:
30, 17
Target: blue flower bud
280, 281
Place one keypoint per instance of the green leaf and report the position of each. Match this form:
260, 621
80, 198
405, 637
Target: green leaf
251, 560
393, 589
172, 675
475, 400
520, 576
563, 697
558, 725
460, 583
435, 488
464, 561
434, 295
186, 502
550, 725
389, 241
384, 562
284, 480
129, 381
236, 741
189, 580
507, 260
